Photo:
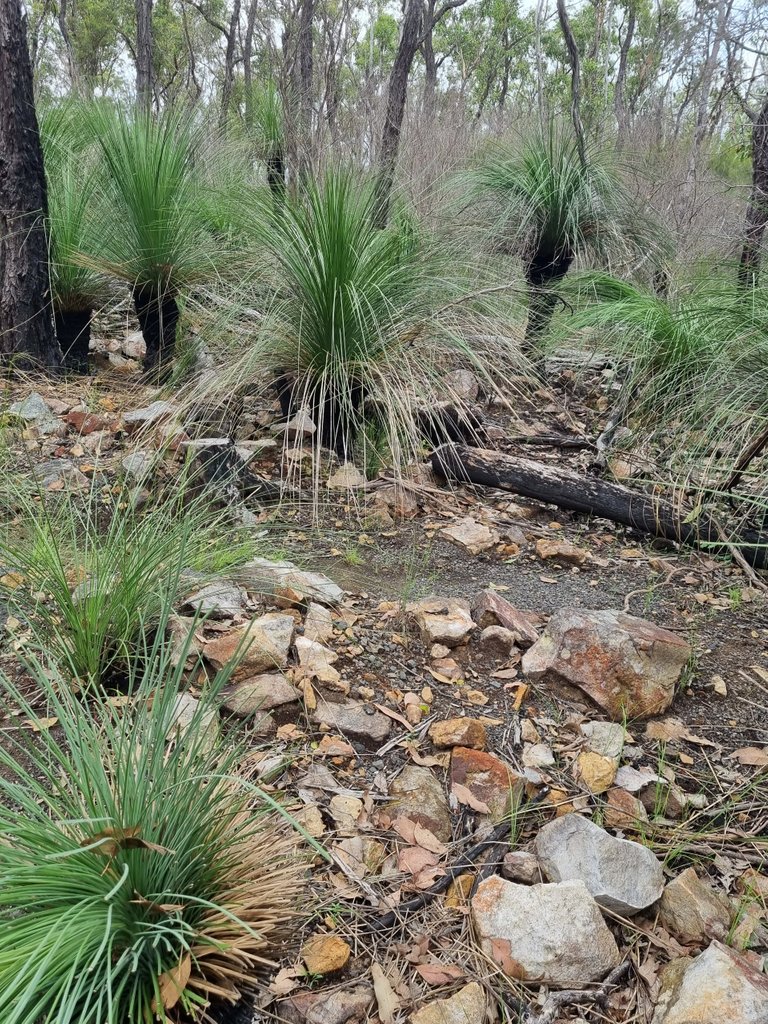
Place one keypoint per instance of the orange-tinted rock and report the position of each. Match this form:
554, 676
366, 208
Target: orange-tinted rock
90, 422
490, 609
488, 779
624, 811
458, 732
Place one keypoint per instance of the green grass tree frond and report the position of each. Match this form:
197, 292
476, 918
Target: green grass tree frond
141, 877
91, 582
547, 206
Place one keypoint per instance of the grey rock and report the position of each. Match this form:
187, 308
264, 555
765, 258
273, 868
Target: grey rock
544, 934
347, 1005
188, 714
38, 415
462, 385
521, 866
718, 987
353, 719
318, 623
467, 1006
260, 646
261, 693
218, 599
148, 416
64, 470
261, 576
138, 465
442, 620
623, 876
497, 641
418, 795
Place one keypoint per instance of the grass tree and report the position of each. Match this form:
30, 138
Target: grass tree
265, 124
153, 235
354, 324
142, 878
549, 206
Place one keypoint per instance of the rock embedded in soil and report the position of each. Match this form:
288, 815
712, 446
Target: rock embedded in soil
260, 646
623, 876
467, 1006
149, 416
497, 641
544, 934
325, 954
595, 771
138, 465
37, 414
560, 551
262, 576
261, 693
462, 385
348, 1005
624, 811
442, 620
692, 911
521, 866
187, 713
490, 609
347, 477
627, 666
719, 986
419, 795
353, 719
62, 472
488, 779
218, 599
318, 623
458, 732
467, 533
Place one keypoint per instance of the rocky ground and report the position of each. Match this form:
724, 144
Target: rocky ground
533, 748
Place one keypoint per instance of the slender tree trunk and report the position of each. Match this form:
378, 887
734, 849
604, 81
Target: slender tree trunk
229, 66
305, 61
575, 61
248, 63
72, 67
144, 75
26, 323
430, 76
619, 104
757, 211
410, 37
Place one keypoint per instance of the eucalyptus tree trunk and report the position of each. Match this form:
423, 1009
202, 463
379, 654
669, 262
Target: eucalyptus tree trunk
757, 211
26, 324
248, 63
397, 91
305, 67
229, 66
619, 102
575, 62
144, 74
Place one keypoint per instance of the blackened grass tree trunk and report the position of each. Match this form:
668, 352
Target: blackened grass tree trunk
73, 332
543, 271
757, 211
26, 325
157, 310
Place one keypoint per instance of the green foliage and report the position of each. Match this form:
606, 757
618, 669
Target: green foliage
151, 229
91, 581
135, 873
352, 315
266, 120
546, 204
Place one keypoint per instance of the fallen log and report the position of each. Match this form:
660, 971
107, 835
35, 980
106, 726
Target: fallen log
564, 487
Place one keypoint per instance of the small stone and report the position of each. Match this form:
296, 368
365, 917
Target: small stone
418, 795
606, 738
449, 668
260, 646
692, 911
467, 1006
39, 416
264, 577
300, 426
462, 385
754, 883
149, 416
187, 715
522, 867
318, 623
133, 346
490, 609
623, 876
458, 732
89, 422
538, 755
218, 599
497, 641
347, 477
439, 651
474, 537
62, 473
442, 620
488, 779
544, 934
624, 811
628, 666
261, 693
717, 987
560, 551
352, 719
324, 954
595, 771
311, 820
328, 1006
184, 643
138, 465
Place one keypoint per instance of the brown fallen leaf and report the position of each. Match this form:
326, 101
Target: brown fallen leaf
428, 760
673, 729
172, 984
756, 756
440, 974
285, 981
387, 1000
466, 796
394, 715
109, 842
40, 724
